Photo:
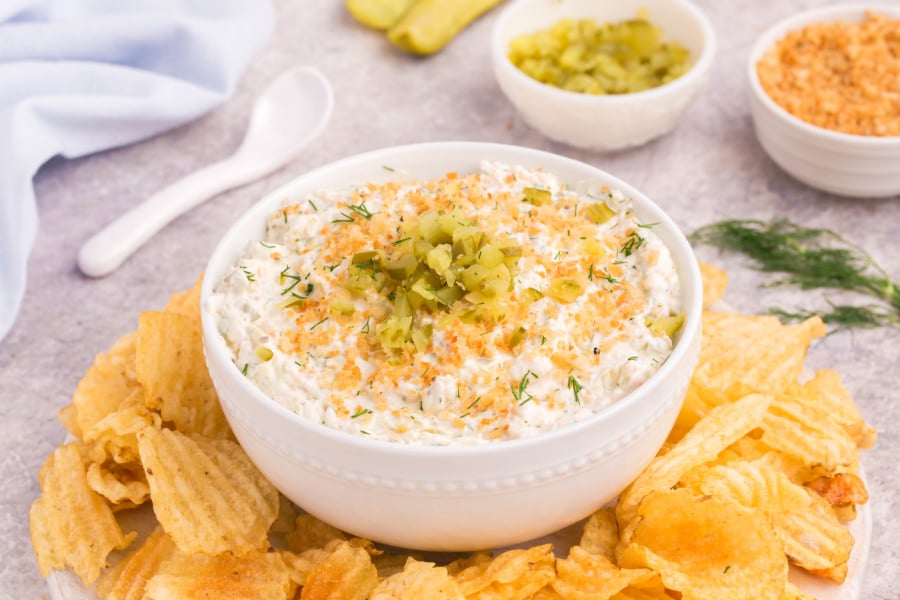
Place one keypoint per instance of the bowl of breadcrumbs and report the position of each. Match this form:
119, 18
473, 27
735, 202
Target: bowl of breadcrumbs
825, 98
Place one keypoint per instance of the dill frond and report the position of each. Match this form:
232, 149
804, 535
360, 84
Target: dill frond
810, 258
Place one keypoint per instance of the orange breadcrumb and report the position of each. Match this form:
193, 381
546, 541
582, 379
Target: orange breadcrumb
840, 76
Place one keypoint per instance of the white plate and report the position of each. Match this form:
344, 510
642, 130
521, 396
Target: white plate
65, 585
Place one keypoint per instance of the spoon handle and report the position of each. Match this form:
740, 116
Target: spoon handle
109, 247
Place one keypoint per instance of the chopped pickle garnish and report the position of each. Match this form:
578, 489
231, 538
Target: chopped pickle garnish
537, 196
517, 336
532, 295
667, 325
564, 290
600, 58
599, 213
441, 259
342, 306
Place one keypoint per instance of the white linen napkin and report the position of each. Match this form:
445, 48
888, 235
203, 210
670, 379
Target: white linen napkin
80, 76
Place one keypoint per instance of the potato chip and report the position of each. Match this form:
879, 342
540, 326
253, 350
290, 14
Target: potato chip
207, 494
481, 559
601, 534
799, 430
116, 433
347, 574
223, 577
187, 303
309, 532
815, 539
792, 592
712, 434
514, 574
108, 382
119, 483
126, 579
391, 563
648, 589
171, 367
705, 548
71, 525
826, 392
715, 280
592, 577
742, 354
844, 489
300, 565
811, 534
418, 581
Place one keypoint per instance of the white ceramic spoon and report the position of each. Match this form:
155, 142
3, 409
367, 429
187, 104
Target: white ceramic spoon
288, 114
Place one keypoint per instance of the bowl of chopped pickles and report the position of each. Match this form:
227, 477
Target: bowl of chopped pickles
824, 88
602, 75
452, 346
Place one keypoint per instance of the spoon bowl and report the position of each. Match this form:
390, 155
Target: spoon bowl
286, 117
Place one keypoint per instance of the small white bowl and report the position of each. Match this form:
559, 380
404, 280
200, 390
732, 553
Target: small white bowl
453, 497
831, 161
614, 121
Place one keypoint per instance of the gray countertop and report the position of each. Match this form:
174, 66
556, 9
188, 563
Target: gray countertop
711, 167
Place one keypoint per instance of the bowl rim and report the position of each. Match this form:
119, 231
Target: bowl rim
775, 32
215, 348
697, 70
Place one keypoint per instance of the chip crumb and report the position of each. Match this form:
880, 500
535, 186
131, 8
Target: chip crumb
840, 76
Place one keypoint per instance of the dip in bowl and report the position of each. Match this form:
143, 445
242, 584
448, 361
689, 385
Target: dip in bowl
452, 346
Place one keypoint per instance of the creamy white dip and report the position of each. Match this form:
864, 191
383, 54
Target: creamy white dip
295, 331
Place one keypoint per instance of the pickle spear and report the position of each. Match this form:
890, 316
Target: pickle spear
431, 24
380, 14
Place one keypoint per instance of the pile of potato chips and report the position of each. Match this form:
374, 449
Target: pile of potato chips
760, 471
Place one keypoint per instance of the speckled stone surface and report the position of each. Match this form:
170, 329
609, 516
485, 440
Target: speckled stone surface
710, 168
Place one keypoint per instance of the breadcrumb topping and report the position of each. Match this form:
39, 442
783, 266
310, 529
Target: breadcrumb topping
840, 76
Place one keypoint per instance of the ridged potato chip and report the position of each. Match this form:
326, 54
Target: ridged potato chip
116, 433
815, 539
601, 534
207, 494
119, 484
127, 578
826, 391
186, 303
300, 565
799, 431
705, 548
711, 435
108, 382
715, 280
841, 490
309, 532
809, 531
514, 574
649, 589
346, 574
72, 525
171, 367
585, 576
418, 581
223, 577
743, 354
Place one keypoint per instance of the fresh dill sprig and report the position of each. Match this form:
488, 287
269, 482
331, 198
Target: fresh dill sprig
810, 258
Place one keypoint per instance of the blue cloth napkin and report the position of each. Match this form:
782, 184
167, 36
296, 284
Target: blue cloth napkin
80, 76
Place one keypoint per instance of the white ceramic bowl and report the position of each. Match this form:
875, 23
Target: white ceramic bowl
452, 497
607, 122
840, 163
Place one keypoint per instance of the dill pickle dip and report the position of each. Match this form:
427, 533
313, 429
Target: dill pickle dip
466, 309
